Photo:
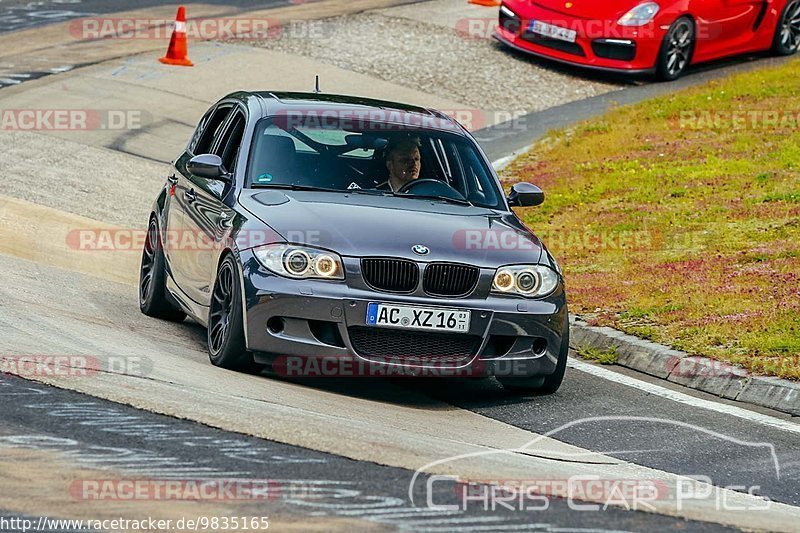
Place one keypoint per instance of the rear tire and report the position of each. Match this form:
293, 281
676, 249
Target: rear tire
542, 385
677, 50
226, 343
787, 35
153, 298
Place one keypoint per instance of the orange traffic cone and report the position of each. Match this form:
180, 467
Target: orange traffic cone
486, 3
177, 51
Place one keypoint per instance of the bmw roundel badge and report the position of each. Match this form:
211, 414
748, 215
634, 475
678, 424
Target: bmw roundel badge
420, 250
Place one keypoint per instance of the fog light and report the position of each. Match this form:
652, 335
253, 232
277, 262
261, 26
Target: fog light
539, 346
275, 325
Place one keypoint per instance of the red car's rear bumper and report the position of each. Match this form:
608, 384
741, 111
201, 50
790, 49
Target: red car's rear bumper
600, 45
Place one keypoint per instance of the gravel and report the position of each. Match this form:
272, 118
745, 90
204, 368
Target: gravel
439, 60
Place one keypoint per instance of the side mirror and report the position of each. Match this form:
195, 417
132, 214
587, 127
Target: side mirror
525, 195
208, 166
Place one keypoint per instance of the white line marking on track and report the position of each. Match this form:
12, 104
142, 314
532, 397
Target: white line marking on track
395, 517
679, 397
544, 528
460, 520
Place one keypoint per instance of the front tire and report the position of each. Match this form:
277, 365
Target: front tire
677, 50
153, 298
542, 385
787, 35
226, 344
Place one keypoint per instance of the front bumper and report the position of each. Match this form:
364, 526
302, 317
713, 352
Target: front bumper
599, 45
322, 320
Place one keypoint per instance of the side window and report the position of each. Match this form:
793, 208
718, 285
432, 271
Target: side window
199, 131
299, 146
211, 130
231, 142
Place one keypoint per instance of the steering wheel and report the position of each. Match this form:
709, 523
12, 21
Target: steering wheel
430, 187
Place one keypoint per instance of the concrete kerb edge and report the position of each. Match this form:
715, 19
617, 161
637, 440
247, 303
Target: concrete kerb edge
500, 164
698, 373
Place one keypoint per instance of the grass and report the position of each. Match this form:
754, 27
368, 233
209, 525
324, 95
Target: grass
604, 357
678, 219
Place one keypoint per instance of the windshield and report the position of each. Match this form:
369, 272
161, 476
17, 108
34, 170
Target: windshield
372, 158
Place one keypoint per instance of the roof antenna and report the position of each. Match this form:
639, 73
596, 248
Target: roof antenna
316, 85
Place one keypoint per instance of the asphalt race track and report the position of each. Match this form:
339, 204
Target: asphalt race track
64, 422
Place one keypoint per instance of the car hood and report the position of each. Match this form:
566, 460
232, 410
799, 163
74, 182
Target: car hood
378, 226
590, 9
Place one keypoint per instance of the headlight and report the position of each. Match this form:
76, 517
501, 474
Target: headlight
533, 281
300, 262
640, 15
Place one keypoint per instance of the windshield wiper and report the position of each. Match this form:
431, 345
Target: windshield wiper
370, 192
437, 197
293, 187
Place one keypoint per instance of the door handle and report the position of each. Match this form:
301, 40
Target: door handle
190, 195
173, 180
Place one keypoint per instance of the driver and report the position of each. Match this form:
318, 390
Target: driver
403, 161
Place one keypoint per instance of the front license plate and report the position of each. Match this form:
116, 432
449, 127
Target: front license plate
423, 318
554, 32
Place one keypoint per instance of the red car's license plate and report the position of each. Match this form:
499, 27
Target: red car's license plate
554, 32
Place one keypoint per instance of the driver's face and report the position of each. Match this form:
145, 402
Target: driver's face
404, 166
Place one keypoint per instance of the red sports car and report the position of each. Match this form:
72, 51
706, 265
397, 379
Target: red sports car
661, 38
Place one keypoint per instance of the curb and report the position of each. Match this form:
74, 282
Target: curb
698, 373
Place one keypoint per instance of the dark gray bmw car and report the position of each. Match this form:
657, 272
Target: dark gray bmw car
302, 228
